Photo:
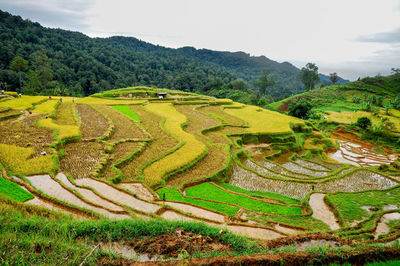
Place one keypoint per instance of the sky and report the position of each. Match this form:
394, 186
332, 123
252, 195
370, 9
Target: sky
355, 38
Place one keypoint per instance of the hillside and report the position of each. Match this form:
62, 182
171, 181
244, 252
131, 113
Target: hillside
129, 173
70, 63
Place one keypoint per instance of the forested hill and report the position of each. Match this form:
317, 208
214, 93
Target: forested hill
66, 62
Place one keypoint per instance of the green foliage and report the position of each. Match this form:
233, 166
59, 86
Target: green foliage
264, 81
309, 76
333, 77
364, 122
300, 109
127, 111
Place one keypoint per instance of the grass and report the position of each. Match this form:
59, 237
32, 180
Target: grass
191, 150
22, 103
349, 204
211, 192
13, 191
263, 194
19, 160
174, 195
46, 107
262, 120
64, 124
127, 111
35, 236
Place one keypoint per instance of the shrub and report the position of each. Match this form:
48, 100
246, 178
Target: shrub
300, 109
363, 122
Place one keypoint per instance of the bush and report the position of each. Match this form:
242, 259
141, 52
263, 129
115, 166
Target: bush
363, 122
300, 109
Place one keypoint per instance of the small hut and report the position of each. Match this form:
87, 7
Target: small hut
161, 95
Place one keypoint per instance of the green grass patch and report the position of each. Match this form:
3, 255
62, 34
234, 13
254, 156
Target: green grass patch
174, 195
349, 204
126, 110
263, 194
210, 192
13, 191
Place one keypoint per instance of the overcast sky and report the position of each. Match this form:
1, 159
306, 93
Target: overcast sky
351, 37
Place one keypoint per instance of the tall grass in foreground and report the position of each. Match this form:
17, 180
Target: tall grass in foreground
33, 235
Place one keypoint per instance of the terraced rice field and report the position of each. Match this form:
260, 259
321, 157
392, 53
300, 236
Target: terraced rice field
191, 150
156, 159
80, 158
124, 127
65, 124
161, 143
263, 121
94, 125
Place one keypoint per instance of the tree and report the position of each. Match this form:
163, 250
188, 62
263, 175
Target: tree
309, 76
264, 81
19, 65
363, 122
333, 77
300, 109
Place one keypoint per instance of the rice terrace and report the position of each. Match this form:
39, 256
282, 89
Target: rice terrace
117, 151
129, 155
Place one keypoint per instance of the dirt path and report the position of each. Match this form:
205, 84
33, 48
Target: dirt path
112, 193
90, 195
139, 189
321, 211
49, 186
383, 227
199, 212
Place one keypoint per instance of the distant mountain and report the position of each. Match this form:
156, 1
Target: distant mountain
66, 62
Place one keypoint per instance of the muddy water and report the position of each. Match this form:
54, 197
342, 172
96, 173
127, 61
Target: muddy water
321, 211
88, 194
38, 202
49, 186
253, 232
123, 198
199, 212
383, 227
287, 230
358, 154
139, 189
171, 215
312, 165
298, 169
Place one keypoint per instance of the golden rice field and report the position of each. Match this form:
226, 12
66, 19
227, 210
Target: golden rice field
22, 160
191, 150
217, 112
22, 103
263, 121
160, 144
124, 127
46, 107
65, 123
